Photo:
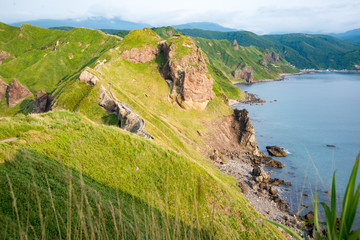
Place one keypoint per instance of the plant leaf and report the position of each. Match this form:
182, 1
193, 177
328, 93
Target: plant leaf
288, 230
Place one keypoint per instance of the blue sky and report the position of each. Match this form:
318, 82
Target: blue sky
260, 16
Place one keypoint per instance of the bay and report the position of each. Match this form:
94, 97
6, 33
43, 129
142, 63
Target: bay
311, 111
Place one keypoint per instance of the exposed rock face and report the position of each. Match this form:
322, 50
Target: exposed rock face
246, 73
43, 102
17, 93
128, 119
192, 89
88, 78
246, 131
4, 55
3, 88
235, 44
270, 57
276, 151
143, 55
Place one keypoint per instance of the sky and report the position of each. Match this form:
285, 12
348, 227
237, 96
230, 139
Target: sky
259, 16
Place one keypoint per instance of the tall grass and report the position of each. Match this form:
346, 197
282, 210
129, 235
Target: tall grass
336, 228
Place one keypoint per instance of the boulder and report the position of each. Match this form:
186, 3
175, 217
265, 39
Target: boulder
3, 88
17, 93
128, 119
276, 151
88, 78
143, 55
273, 190
191, 87
260, 175
43, 102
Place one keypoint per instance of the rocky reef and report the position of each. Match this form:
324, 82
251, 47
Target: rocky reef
128, 119
276, 151
191, 86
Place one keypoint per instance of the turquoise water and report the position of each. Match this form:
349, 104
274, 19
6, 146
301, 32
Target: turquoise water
312, 110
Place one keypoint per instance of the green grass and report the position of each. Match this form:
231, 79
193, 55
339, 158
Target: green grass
183, 45
223, 56
166, 32
139, 39
67, 176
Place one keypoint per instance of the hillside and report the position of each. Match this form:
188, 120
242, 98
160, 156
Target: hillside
70, 173
301, 50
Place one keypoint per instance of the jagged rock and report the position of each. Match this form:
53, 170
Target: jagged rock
3, 88
277, 182
260, 175
273, 190
235, 44
191, 87
43, 102
143, 55
214, 156
245, 188
4, 55
128, 119
246, 131
88, 78
276, 151
246, 73
17, 93
272, 57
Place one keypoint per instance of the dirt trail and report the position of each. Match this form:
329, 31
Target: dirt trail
9, 139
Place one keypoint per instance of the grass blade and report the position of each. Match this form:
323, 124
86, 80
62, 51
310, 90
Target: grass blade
286, 229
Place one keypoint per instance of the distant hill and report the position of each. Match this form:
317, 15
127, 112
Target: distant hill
352, 36
204, 26
92, 23
302, 50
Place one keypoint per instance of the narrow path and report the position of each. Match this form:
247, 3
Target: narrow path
9, 139
97, 68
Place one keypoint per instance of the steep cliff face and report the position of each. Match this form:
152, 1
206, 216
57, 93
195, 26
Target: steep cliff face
185, 67
245, 73
143, 55
246, 131
17, 93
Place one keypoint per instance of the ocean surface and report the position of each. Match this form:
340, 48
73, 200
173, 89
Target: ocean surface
310, 112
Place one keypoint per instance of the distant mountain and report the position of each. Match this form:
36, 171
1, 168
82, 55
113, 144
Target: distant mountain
349, 36
204, 26
302, 50
92, 23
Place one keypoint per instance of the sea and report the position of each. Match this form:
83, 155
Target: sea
303, 114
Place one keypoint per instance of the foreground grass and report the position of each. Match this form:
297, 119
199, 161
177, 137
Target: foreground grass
67, 177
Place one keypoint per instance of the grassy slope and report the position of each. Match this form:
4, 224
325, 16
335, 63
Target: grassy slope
148, 190
301, 50
38, 57
222, 55
158, 189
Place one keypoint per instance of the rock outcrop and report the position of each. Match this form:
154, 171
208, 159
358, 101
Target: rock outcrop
88, 78
17, 93
4, 55
235, 45
128, 119
191, 87
270, 57
43, 102
260, 175
245, 73
143, 55
3, 88
276, 151
242, 124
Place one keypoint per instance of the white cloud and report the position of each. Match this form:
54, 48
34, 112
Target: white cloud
261, 16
